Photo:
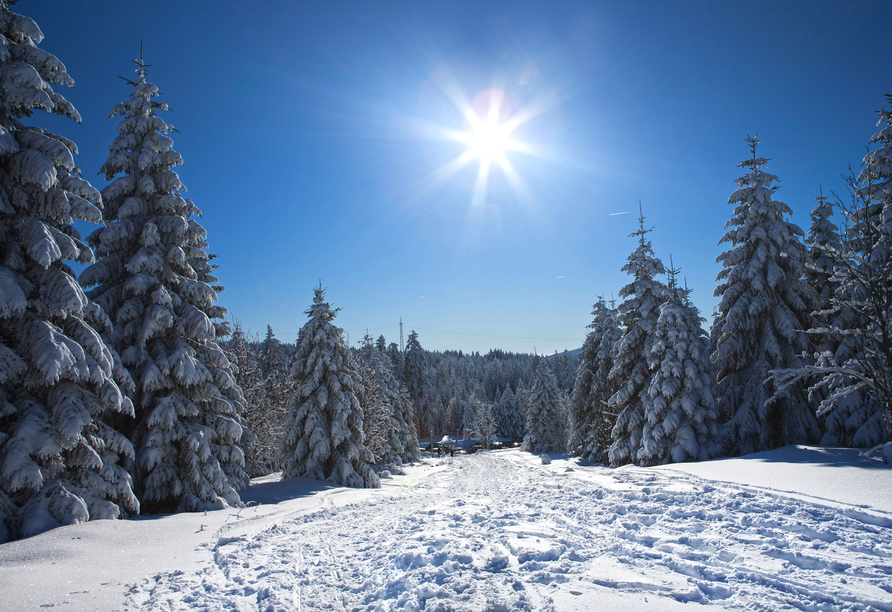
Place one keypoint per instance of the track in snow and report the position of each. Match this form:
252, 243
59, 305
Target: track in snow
495, 531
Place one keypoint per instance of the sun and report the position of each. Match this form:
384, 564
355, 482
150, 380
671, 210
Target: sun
488, 140
489, 137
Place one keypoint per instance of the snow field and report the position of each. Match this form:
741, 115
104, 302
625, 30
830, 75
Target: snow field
500, 531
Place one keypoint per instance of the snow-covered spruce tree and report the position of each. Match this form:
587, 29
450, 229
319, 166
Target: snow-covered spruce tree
268, 413
389, 429
483, 428
823, 242
764, 311
396, 360
414, 364
824, 247
866, 279
377, 417
680, 419
401, 406
508, 416
855, 380
590, 421
545, 431
638, 314
265, 420
152, 278
60, 385
324, 433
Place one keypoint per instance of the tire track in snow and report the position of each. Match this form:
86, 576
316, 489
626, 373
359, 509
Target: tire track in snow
496, 531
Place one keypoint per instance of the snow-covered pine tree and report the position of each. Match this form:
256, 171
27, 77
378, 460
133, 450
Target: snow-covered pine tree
483, 427
468, 403
867, 283
545, 432
638, 314
398, 397
60, 398
841, 421
679, 407
266, 427
389, 428
396, 360
823, 243
414, 362
855, 380
152, 279
275, 389
377, 417
508, 416
324, 433
590, 421
764, 309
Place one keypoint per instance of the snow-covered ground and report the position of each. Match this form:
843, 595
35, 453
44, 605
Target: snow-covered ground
798, 528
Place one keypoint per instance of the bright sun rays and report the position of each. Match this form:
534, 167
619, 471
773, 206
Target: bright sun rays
488, 137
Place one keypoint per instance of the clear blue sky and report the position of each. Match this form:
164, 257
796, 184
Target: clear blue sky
309, 135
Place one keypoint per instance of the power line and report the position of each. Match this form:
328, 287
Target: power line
453, 333
440, 331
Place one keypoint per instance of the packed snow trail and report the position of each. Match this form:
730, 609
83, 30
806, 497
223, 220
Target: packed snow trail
499, 531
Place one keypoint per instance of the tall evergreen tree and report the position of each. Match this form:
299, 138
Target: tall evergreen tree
764, 309
509, 420
275, 389
390, 430
265, 422
843, 419
396, 359
590, 421
545, 431
60, 385
823, 242
152, 279
483, 426
679, 407
414, 379
324, 436
855, 377
378, 425
638, 314
413, 368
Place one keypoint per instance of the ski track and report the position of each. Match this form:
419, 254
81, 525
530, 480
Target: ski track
496, 532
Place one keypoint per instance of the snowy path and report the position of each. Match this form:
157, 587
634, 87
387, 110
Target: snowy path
498, 531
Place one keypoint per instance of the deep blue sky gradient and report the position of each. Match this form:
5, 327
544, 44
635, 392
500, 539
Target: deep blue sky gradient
303, 127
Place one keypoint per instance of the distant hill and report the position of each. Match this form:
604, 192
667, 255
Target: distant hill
573, 353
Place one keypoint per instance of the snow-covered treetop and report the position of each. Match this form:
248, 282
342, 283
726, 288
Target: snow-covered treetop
674, 293
320, 308
28, 71
42, 195
759, 233
877, 173
154, 234
823, 233
643, 267
142, 144
755, 187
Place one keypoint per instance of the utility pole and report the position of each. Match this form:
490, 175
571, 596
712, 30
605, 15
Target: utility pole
401, 334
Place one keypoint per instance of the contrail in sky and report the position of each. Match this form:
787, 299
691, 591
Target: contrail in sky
622, 213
